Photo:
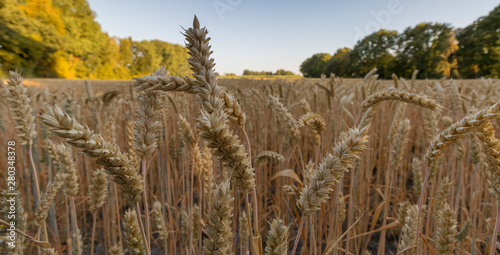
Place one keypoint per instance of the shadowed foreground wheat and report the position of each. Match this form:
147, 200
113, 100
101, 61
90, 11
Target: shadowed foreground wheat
201, 165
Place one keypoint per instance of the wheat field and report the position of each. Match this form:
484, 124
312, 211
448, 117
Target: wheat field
197, 165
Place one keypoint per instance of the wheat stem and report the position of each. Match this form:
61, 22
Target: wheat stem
146, 206
495, 233
94, 220
141, 226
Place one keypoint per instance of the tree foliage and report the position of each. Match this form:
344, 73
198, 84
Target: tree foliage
436, 49
479, 47
315, 65
45, 38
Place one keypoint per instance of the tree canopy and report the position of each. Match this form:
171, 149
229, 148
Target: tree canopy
315, 65
436, 49
44, 38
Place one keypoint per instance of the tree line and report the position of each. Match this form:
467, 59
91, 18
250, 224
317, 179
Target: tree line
44, 38
436, 49
267, 73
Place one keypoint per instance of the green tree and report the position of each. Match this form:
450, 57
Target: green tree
340, 64
479, 47
45, 38
428, 47
315, 65
375, 50
283, 72
29, 36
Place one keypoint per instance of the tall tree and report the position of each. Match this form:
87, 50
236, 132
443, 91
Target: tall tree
340, 64
479, 47
428, 47
45, 38
375, 50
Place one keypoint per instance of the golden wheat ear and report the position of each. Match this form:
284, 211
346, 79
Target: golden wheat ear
22, 111
331, 170
220, 235
108, 155
98, 190
277, 238
446, 231
116, 249
132, 233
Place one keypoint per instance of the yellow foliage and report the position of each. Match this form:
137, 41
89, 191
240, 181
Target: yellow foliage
44, 10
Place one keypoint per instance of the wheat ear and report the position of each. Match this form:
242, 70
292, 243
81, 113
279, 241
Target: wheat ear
147, 124
277, 238
315, 123
270, 155
458, 129
228, 148
491, 148
132, 233
116, 249
98, 191
285, 116
464, 231
208, 171
416, 169
409, 236
44, 204
331, 170
22, 111
446, 231
160, 221
220, 236
410, 98
67, 165
108, 155
448, 136
214, 121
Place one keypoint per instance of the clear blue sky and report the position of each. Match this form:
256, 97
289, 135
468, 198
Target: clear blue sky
269, 35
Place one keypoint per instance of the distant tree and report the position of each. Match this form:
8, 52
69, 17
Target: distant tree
479, 47
375, 50
283, 72
315, 65
340, 64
